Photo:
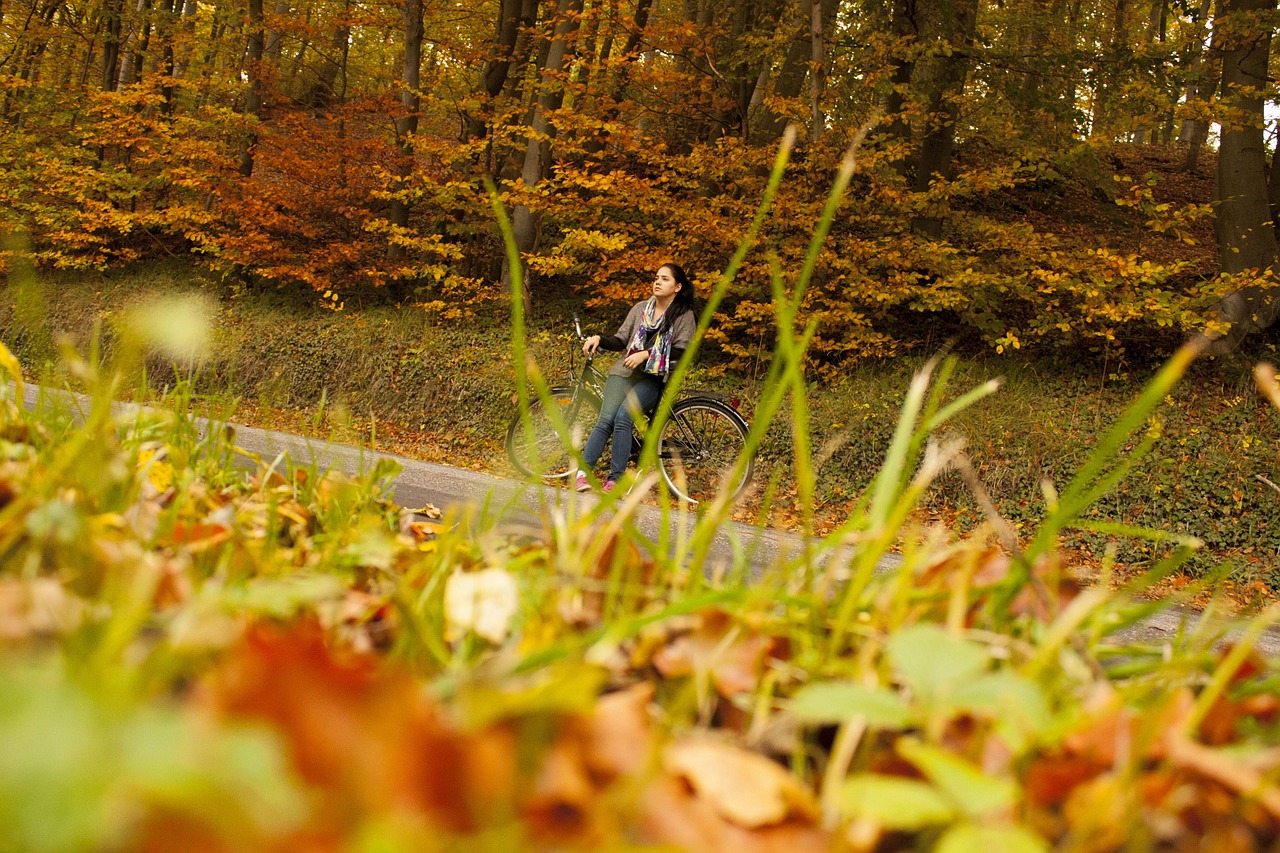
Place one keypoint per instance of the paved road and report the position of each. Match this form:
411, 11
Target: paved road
516, 503
519, 504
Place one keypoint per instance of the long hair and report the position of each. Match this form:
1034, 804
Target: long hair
684, 299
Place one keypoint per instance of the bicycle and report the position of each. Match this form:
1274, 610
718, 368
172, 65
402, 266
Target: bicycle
698, 445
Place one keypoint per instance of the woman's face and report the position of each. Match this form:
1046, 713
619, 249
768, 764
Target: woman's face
665, 285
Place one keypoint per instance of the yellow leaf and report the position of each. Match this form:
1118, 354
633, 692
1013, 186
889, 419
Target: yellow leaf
10, 364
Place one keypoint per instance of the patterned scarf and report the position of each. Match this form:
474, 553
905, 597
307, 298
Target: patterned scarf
659, 346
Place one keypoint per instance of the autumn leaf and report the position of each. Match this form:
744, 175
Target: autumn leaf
744, 787
732, 655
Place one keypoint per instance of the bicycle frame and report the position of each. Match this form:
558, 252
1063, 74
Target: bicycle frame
593, 381
687, 439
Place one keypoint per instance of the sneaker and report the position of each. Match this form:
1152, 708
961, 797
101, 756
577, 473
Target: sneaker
581, 483
608, 485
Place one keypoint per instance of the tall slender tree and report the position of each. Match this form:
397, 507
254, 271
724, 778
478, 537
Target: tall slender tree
407, 124
254, 98
537, 153
1246, 235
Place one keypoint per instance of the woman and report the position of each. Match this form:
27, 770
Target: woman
654, 336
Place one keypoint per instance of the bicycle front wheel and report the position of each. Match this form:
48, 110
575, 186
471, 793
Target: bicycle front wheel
541, 451
699, 449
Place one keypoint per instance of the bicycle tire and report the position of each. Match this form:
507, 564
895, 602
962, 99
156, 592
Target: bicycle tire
547, 457
699, 448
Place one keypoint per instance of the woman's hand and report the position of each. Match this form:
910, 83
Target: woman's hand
591, 345
636, 359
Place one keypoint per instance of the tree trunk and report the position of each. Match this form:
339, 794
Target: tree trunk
407, 125
182, 58
1246, 235
325, 87
166, 24
618, 87
275, 40
135, 53
1204, 82
941, 80
1157, 33
525, 41
111, 44
1273, 177
1025, 89
789, 81
1109, 73
253, 102
537, 153
493, 75
817, 86
906, 34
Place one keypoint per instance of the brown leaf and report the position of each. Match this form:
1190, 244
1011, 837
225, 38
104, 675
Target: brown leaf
742, 786
268, 477
1051, 779
36, 607
620, 739
560, 805
1226, 771
733, 655
361, 731
672, 814
583, 602
174, 586
200, 536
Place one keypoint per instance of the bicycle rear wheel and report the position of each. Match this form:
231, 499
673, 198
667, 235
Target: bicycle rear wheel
541, 451
699, 448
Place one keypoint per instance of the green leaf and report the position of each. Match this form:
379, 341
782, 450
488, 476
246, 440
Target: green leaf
895, 802
930, 660
837, 701
967, 838
1017, 705
974, 792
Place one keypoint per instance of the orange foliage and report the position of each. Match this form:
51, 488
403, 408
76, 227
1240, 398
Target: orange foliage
375, 747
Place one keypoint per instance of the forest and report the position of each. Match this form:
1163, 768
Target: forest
344, 149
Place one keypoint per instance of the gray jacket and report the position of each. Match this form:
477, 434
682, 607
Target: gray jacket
681, 336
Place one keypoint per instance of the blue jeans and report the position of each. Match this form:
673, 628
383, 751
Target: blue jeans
624, 397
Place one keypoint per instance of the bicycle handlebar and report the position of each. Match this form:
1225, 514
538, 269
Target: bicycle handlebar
577, 326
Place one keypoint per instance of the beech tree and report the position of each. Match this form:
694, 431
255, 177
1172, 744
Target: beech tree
933, 58
254, 50
537, 153
407, 125
1246, 234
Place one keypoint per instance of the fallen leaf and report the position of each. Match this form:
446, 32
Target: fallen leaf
672, 814
731, 654
620, 734
482, 602
743, 786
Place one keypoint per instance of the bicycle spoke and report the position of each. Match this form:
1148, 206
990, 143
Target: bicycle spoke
700, 447
540, 451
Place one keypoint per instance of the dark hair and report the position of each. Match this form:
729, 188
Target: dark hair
684, 298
